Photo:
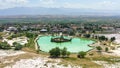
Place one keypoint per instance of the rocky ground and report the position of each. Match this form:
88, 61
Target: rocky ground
21, 59
39, 62
107, 64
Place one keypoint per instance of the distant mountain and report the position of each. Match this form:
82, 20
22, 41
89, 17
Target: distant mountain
54, 11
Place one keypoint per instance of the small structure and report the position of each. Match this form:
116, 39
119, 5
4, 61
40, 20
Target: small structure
43, 30
24, 28
12, 29
60, 39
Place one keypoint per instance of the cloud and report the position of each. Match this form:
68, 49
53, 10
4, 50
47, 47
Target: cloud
73, 5
48, 3
106, 5
91, 4
99, 5
12, 3
15, 1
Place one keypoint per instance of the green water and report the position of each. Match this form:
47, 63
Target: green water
74, 46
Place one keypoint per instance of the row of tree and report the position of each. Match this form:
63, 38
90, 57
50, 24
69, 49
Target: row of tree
6, 46
100, 49
57, 52
103, 38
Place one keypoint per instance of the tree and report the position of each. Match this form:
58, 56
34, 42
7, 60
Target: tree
102, 38
4, 45
68, 53
55, 52
81, 54
64, 52
15, 43
106, 49
30, 35
112, 39
99, 48
87, 35
106, 39
18, 46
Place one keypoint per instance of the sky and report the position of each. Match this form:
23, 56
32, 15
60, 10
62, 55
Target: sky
79, 4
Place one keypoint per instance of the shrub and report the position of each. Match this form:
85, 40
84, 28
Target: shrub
81, 54
112, 39
87, 35
18, 47
103, 38
68, 54
106, 49
55, 52
15, 43
64, 52
4, 45
99, 48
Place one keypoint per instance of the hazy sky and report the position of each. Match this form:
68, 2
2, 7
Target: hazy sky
89, 4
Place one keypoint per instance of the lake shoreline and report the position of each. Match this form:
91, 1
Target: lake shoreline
38, 46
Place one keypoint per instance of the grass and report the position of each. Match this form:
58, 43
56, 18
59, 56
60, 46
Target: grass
109, 59
31, 43
89, 39
30, 50
85, 63
2, 33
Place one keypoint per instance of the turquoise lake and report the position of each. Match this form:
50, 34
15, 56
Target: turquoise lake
76, 45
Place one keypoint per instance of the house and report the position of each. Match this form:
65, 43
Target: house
24, 28
43, 30
12, 29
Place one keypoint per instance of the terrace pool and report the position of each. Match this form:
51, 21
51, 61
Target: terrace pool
76, 45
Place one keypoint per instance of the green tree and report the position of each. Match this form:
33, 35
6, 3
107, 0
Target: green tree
68, 53
87, 35
18, 46
106, 49
15, 43
102, 38
55, 52
112, 39
64, 52
81, 54
99, 48
4, 45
